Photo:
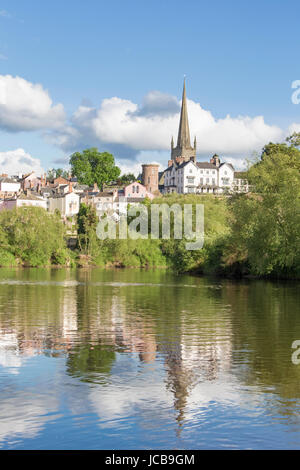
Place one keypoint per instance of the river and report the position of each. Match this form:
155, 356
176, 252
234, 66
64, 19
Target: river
137, 359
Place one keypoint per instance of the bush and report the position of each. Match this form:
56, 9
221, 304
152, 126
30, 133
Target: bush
7, 259
33, 235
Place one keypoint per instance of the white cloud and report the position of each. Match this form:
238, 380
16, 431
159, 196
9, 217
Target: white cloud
128, 130
15, 161
27, 106
123, 125
294, 127
3, 57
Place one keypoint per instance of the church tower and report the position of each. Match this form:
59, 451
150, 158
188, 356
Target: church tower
183, 152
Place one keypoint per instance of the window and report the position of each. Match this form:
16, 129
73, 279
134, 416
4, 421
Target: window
137, 189
148, 179
207, 180
133, 189
201, 180
191, 170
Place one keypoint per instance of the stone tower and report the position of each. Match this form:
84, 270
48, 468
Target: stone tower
150, 177
183, 152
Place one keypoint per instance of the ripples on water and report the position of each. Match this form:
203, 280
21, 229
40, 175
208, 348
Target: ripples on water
95, 359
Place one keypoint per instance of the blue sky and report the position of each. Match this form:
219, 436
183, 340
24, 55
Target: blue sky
240, 59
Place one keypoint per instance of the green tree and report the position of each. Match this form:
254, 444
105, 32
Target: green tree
127, 178
56, 173
92, 166
87, 222
266, 223
33, 236
294, 139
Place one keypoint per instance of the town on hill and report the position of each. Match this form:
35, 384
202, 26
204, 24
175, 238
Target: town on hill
183, 175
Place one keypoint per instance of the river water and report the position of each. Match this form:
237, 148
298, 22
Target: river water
136, 359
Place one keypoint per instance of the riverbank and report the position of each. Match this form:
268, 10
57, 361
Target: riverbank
233, 246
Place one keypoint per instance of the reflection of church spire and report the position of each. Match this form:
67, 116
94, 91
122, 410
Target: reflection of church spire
179, 381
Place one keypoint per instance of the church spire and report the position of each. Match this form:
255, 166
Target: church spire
183, 140
183, 152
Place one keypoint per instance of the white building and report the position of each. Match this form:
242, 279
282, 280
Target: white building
185, 175
23, 200
9, 186
67, 204
202, 177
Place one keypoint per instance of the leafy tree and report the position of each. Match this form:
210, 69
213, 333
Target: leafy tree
294, 139
33, 236
127, 178
56, 173
266, 223
87, 222
92, 166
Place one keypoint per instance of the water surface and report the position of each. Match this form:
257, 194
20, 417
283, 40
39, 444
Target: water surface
134, 359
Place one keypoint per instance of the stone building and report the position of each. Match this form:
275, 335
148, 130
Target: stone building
150, 177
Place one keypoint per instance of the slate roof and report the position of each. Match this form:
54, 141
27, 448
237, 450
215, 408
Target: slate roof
226, 163
206, 165
4, 179
30, 197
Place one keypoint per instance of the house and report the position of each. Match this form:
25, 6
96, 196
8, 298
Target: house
29, 181
240, 182
9, 186
67, 203
136, 190
24, 200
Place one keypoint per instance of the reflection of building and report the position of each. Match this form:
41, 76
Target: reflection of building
93, 323
191, 359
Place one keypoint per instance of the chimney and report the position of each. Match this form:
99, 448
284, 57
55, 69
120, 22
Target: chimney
70, 187
215, 160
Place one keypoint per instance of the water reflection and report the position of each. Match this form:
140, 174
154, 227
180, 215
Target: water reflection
149, 356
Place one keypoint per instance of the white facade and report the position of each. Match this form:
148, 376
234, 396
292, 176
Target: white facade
22, 201
9, 186
202, 177
67, 204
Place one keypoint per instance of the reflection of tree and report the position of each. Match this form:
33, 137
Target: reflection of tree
265, 323
91, 363
191, 325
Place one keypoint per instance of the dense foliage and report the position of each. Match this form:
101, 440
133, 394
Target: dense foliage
30, 236
92, 166
265, 225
